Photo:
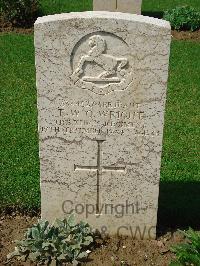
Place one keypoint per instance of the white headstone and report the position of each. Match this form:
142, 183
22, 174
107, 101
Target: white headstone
101, 81
126, 6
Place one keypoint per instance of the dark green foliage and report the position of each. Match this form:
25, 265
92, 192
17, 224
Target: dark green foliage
64, 241
188, 253
20, 12
156, 7
183, 18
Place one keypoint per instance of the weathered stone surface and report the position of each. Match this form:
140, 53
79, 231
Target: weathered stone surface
101, 80
104, 5
126, 6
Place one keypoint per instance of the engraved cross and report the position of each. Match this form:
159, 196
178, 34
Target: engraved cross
99, 168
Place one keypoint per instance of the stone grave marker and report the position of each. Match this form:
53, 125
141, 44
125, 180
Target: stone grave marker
126, 6
101, 82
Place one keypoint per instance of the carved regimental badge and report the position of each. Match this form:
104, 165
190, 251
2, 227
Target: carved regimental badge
100, 63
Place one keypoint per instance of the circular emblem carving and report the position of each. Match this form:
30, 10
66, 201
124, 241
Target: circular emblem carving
100, 63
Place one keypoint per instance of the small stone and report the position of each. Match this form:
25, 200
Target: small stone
167, 237
164, 250
88, 251
2, 218
112, 258
160, 244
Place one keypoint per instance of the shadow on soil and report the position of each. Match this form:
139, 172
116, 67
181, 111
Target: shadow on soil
179, 205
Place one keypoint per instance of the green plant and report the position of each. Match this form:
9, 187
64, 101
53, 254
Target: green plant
64, 241
188, 253
183, 18
20, 12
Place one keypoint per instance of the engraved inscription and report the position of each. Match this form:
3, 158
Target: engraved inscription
99, 118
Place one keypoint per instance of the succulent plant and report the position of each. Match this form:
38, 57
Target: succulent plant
64, 241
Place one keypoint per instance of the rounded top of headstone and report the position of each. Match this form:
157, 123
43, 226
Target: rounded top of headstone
104, 15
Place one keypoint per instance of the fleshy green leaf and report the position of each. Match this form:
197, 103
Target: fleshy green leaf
33, 256
75, 262
59, 223
82, 255
71, 220
88, 240
35, 233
